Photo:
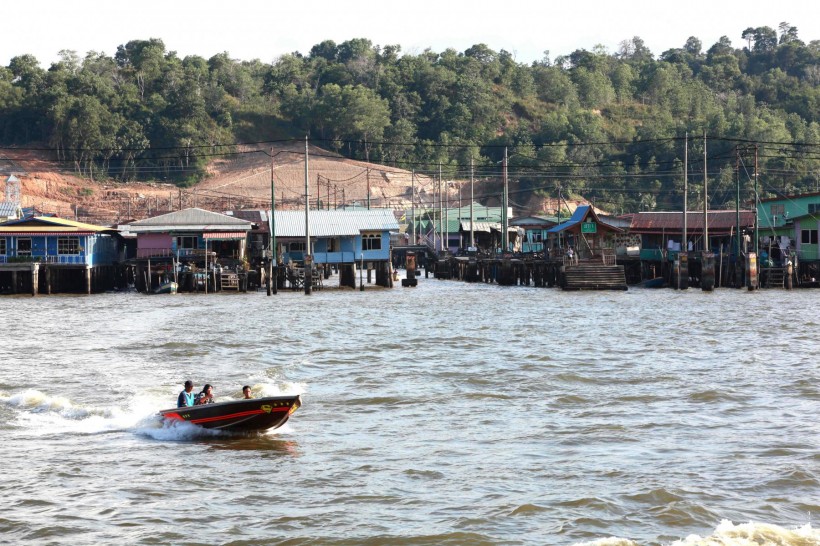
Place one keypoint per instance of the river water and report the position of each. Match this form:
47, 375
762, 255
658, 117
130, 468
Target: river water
446, 414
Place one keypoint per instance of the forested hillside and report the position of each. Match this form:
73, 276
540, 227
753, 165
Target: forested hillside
606, 125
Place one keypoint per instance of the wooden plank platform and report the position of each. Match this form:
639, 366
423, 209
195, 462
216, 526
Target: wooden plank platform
589, 276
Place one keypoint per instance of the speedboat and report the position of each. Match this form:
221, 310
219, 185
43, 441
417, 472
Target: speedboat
239, 415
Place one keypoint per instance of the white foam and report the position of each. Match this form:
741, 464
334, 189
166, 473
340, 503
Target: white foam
172, 430
754, 534
41, 414
272, 389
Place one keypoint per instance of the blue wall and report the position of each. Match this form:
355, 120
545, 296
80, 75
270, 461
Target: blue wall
95, 249
349, 250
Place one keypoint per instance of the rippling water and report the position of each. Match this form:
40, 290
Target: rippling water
446, 414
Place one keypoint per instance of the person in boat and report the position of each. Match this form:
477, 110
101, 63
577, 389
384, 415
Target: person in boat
246, 392
206, 396
187, 397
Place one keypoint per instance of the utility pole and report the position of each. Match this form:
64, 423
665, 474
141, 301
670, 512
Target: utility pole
273, 275
446, 187
504, 197
472, 218
685, 243
685, 186
737, 207
757, 236
440, 211
308, 270
558, 235
705, 198
368, 188
413, 205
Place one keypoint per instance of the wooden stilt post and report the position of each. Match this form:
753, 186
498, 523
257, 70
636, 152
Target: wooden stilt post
35, 278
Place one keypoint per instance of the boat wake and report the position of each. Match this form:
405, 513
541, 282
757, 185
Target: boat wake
41, 414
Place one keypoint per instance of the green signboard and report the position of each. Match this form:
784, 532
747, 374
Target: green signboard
589, 227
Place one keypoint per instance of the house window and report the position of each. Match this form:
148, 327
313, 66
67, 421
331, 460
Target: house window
24, 247
187, 241
778, 210
808, 236
371, 241
2, 246
814, 207
68, 245
296, 247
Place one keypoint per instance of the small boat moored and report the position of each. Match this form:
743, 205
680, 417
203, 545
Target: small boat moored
239, 415
166, 288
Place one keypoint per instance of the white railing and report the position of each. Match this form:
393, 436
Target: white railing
168, 252
58, 259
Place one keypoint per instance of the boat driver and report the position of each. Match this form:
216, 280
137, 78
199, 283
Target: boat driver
187, 396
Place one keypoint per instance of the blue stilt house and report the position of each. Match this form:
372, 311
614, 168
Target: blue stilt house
56, 255
345, 239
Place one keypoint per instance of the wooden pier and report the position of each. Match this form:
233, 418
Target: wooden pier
538, 271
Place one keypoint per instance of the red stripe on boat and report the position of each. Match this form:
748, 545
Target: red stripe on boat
236, 415
173, 416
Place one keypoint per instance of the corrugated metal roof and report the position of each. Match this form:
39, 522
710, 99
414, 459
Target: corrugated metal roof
585, 212
258, 217
46, 224
192, 219
576, 218
790, 197
484, 227
332, 223
547, 221
719, 220
9, 209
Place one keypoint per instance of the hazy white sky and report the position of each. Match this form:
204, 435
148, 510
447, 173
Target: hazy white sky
266, 29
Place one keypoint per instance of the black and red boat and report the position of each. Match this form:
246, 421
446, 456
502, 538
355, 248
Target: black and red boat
239, 415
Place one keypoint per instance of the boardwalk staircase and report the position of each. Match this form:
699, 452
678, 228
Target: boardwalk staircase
775, 277
594, 274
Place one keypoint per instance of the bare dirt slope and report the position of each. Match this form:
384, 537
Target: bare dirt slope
242, 180
334, 179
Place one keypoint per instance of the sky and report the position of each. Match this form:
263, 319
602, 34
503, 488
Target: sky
267, 29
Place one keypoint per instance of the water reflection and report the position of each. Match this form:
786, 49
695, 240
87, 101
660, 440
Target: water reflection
252, 442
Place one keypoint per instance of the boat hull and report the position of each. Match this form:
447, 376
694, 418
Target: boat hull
239, 415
